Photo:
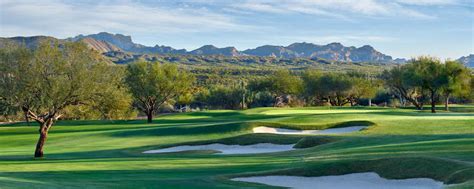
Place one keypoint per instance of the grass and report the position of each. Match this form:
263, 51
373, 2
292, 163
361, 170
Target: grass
399, 143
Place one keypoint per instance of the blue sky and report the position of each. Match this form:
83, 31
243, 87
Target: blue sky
401, 28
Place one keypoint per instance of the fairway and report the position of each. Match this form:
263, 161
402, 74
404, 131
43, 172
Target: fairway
397, 144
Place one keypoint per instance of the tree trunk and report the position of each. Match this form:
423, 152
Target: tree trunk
27, 119
149, 115
418, 106
243, 101
433, 102
446, 103
43, 131
331, 101
402, 100
370, 102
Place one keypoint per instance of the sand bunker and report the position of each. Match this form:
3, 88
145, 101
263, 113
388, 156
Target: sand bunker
228, 149
341, 130
353, 181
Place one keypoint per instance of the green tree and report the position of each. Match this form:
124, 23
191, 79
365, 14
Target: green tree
363, 88
472, 88
398, 81
152, 84
337, 88
52, 78
429, 73
279, 84
114, 101
7, 110
312, 91
185, 99
458, 81
226, 97
15, 61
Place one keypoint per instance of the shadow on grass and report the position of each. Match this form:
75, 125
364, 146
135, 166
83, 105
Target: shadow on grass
413, 114
214, 175
183, 130
455, 108
370, 143
69, 126
198, 177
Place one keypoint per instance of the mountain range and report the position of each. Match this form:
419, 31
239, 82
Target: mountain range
115, 43
332, 51
467, 60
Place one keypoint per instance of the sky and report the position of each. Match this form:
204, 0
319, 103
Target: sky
400, 28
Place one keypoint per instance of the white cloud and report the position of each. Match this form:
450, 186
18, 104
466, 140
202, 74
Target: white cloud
343, 38
427, 2
369, 7
342, 9
63, 19
260, 7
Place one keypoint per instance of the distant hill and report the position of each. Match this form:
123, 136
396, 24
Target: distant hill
34, 41
336, 52
125, 43
400, 60
271, 51
212, 50
467, 60
332, 51
29, 42
99, 45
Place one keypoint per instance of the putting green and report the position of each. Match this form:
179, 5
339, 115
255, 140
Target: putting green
399, 143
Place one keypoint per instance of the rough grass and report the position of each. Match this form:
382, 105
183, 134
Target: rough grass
400, 143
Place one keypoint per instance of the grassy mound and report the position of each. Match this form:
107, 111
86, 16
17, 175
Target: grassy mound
314, 126
300, 141
311, 141
391, 168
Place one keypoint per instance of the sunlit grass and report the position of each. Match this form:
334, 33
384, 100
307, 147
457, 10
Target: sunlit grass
109, 153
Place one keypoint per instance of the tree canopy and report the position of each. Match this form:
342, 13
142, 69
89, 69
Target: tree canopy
44, 82
152, 84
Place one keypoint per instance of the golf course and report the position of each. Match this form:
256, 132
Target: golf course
395, 144
203, 94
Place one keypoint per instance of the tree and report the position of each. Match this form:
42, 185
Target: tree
7, 110
428, 72
50, 79
336, 88
279, 84
114, 101
362, 88
458, 81
15, 62
472, 88
397, 79
152, 84
227, 97
311, 86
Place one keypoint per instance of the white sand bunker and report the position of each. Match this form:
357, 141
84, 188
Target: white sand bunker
228, 149
349, 181
341, 130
